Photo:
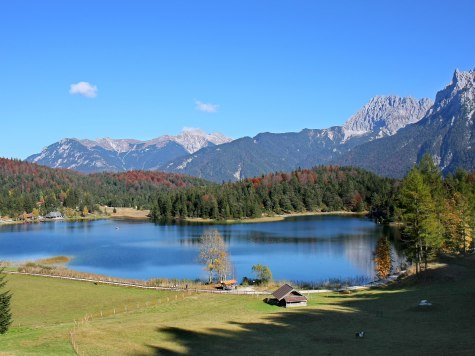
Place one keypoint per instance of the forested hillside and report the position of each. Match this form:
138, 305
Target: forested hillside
318, 189
25, 187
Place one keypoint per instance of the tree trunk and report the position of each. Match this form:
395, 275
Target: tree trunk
464, 242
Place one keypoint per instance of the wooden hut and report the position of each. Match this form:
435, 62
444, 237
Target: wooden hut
228, 284
54, 215
286, 296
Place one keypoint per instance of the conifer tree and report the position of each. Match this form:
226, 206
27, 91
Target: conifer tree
5, 297
422, 230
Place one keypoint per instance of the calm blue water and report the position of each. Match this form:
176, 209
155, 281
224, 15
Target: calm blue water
303, 249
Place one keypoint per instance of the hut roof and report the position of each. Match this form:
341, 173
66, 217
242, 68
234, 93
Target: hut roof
283, 291
289, 294
229, 282
54, 214
295, 297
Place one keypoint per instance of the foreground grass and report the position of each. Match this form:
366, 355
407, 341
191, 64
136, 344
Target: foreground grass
393, 323
44, 310
209, 324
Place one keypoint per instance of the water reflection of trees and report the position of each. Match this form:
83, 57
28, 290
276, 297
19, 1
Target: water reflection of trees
266, 238
176, 244
357, 249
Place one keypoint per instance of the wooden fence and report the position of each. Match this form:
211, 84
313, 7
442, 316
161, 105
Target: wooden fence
120, 310
132, 285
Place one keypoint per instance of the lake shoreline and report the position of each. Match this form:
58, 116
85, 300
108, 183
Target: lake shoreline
143, 215
178, 284
94, 217
274, 218
120, 214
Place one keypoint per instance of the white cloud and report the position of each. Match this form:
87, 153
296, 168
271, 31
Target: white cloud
195, 130
83, 88
206, 107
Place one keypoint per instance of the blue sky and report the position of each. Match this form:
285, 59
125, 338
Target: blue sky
259, 65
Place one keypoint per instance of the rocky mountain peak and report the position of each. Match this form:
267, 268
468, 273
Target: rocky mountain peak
462, 89
463, 79
385, 115
191, 139
195, 139
446, 133
110, 144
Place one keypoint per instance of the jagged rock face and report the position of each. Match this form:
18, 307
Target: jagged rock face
109, 144
191, 140
451, 123
446, 133
460, 90
385, 115
124, 154
194, 140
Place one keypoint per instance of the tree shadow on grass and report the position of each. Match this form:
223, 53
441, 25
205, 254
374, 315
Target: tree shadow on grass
390, 318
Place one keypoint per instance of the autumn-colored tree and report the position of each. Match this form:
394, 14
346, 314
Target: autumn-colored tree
458, 224
35, 213
263, 273
85, 211
69, 212
382, 258
214, 255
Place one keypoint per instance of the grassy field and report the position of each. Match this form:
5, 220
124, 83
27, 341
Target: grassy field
209, 324
126, 213
44, 311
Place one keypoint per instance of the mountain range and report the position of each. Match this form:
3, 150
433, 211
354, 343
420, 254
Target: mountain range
268, 152
387, 136
116, 155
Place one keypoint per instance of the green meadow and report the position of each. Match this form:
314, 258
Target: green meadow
156, 323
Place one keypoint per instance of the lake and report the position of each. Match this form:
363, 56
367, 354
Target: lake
310, 248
